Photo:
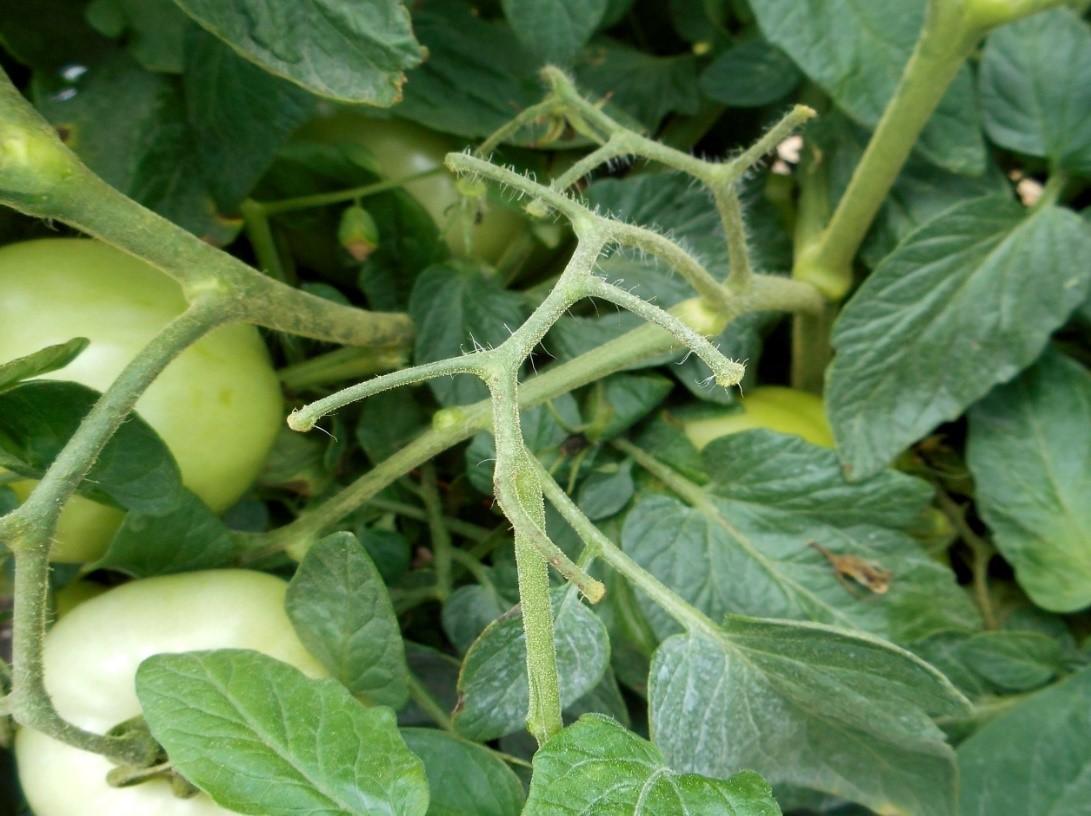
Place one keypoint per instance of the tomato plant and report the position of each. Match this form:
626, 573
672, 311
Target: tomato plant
400, 149
556, 579
217, 406
92, 657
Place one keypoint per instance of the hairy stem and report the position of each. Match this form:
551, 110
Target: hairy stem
684, 613
28, 530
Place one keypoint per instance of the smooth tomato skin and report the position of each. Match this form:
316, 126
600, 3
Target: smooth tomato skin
217, 406
401, 148
91, 658
785, 410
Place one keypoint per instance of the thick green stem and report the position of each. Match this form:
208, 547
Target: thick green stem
29, 529
944, 44
41, 177
811, 350
519, 492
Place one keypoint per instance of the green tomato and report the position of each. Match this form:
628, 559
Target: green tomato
773, 407
91, 658
217, 406
400, 149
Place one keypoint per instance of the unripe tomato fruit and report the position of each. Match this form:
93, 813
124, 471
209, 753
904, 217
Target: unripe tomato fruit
217, 406
785, 410
91, 658
400, 149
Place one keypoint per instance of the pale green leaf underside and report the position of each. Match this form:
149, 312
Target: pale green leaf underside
807, 705
261, 738
465, 779
962, 304
874, 39
1030, 454
596, 767
1034, 759
342, 49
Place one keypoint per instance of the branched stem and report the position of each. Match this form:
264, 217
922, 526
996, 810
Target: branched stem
684, 613
725, 372
303, 419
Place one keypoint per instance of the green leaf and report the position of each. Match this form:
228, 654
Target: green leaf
465, 779
492, 685
554, 30
1029, 449
606, 490
43, 361
807, 705
468, 611
1033, 91
240, 115
189, 537
154, 30
341, 611
387, 422
333, 48
1013, 661
456, 90
750, 75
639, 85
746, 542
948, 315
260, 737
437, 672
130, 127
388, 549
597, 766
618, 402
457, 309
605, 698
1035, 758
135, 469
54, 35
873, 43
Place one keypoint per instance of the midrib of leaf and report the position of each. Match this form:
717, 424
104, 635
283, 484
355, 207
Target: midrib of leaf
696, 497
274, 744
645, 789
